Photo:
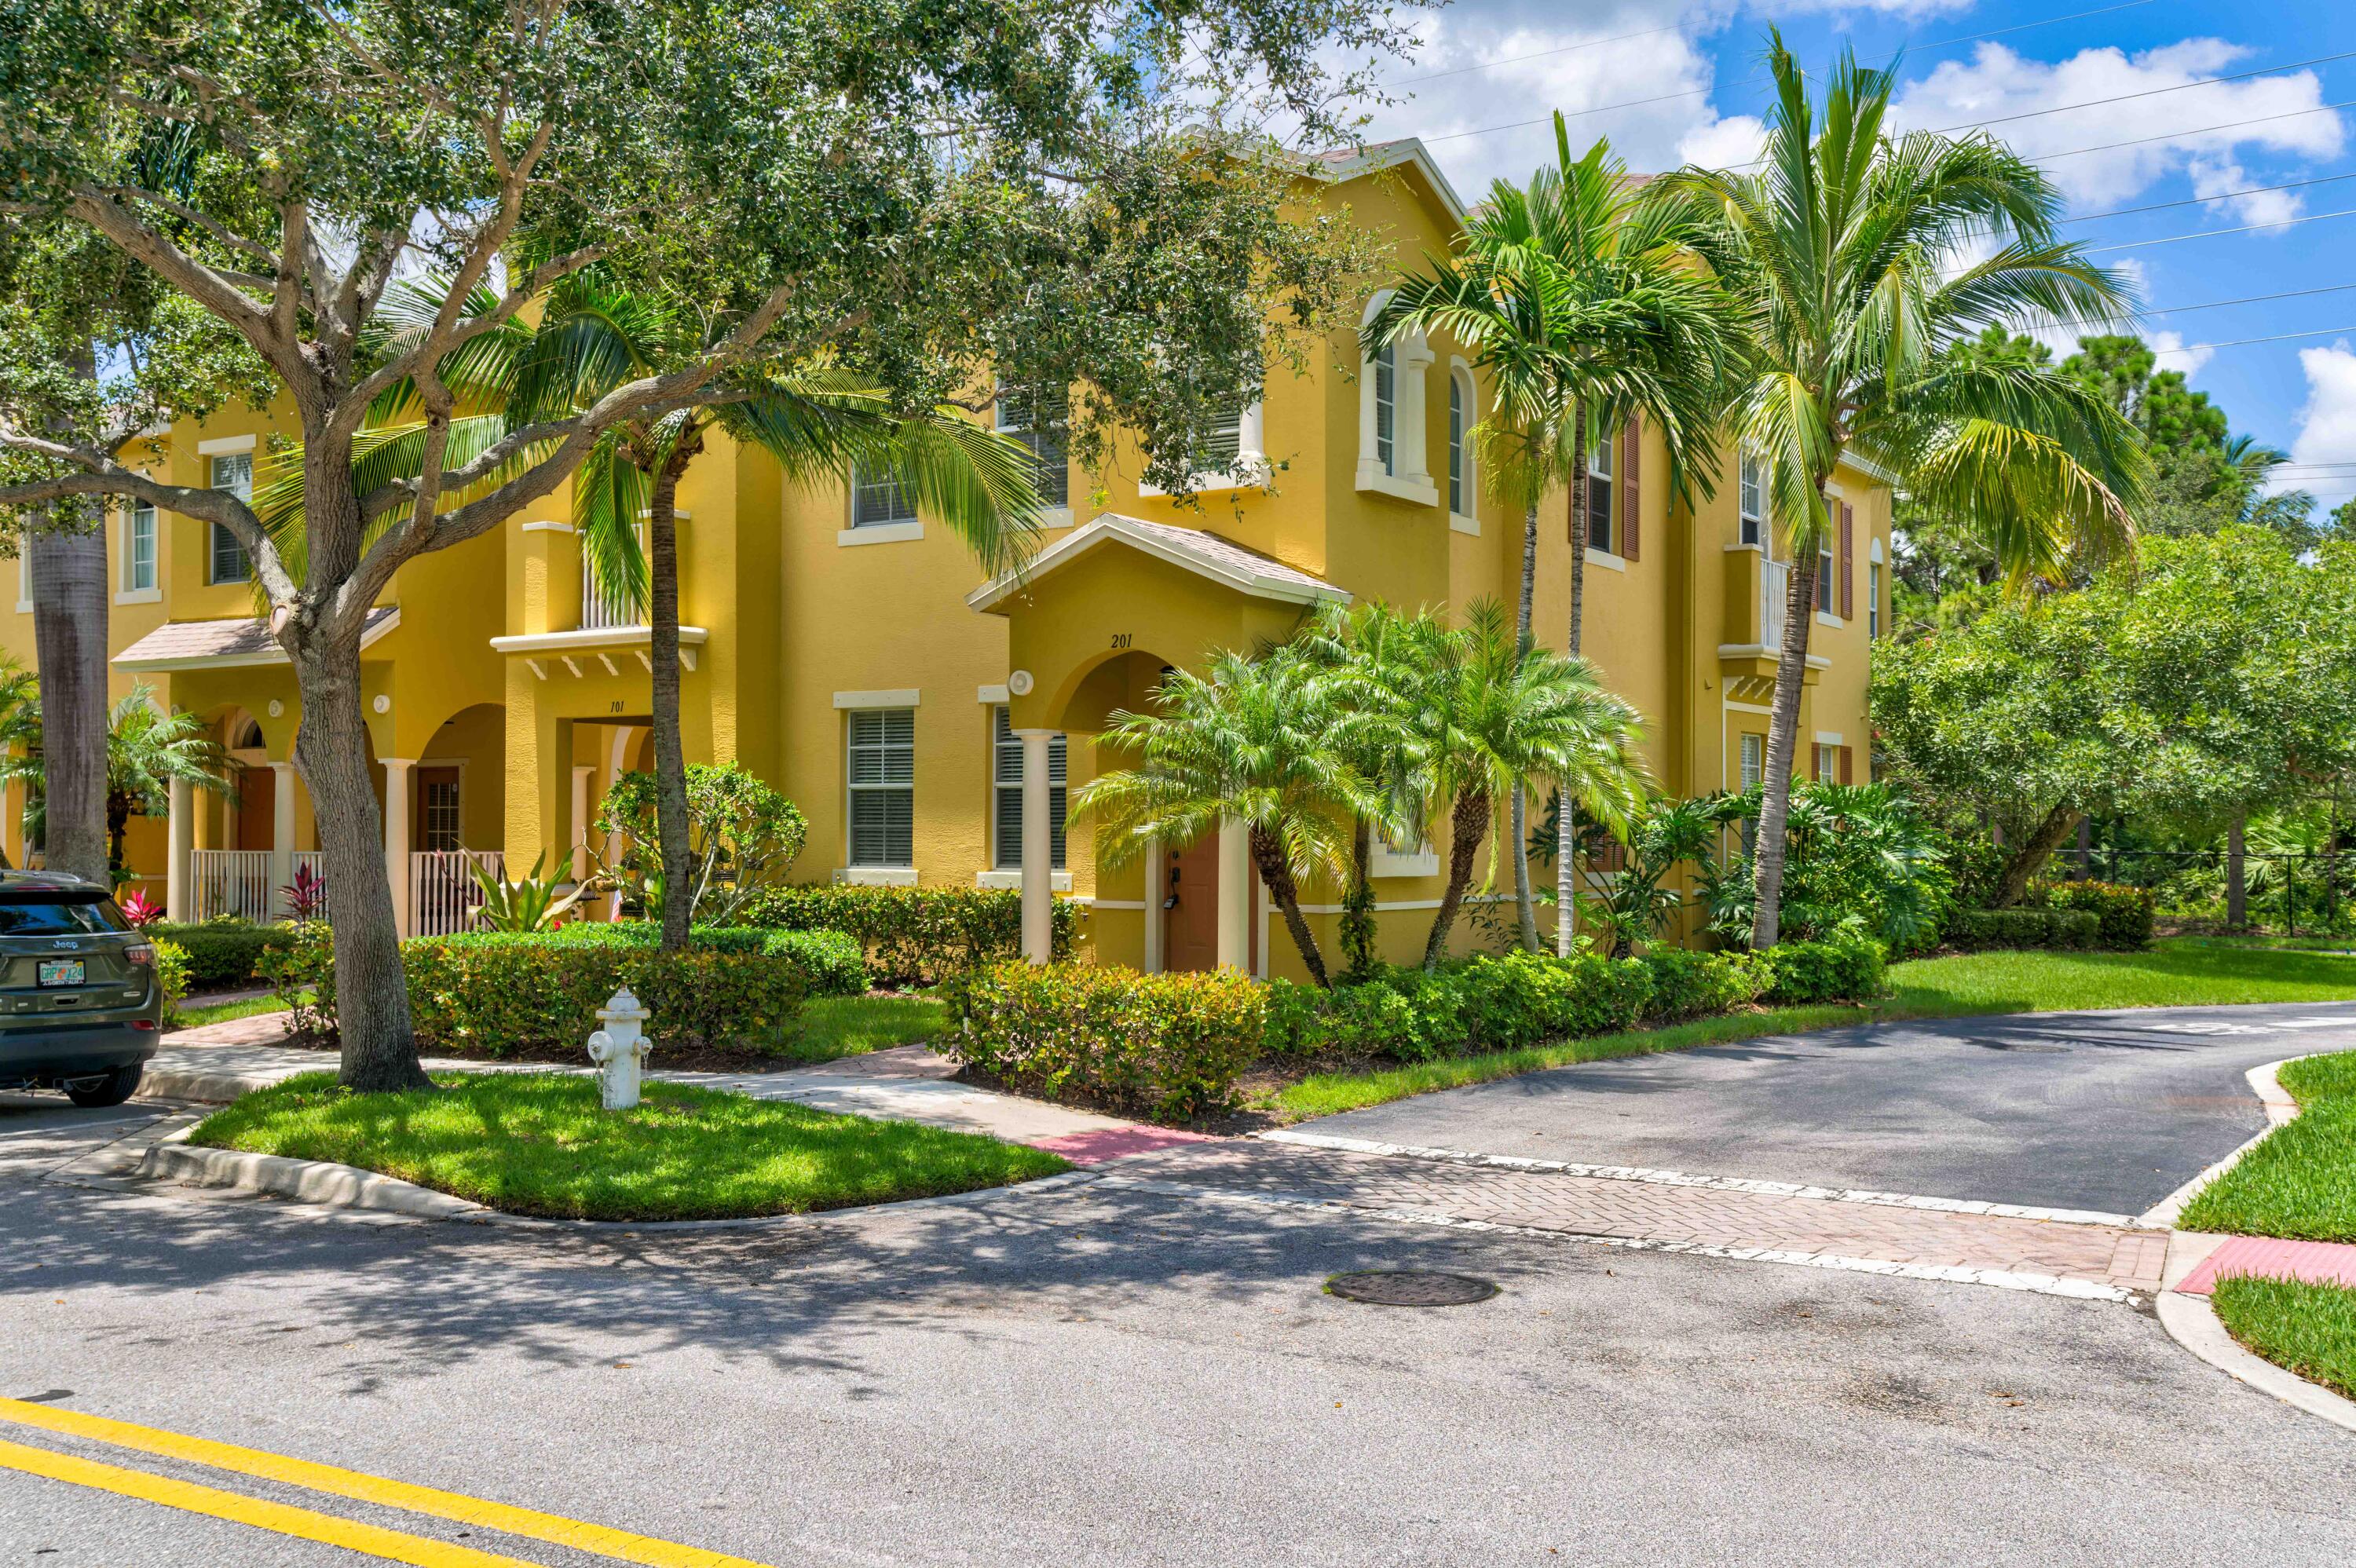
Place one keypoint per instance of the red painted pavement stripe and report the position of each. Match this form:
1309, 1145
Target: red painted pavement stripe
2316, 1262
1118, 1143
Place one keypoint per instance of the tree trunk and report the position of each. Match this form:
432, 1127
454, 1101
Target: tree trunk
1277, 876
69, 581
1358, 905
1524, 907
1783, 741
331, 753
2237, 877
2032, 855
1566, 841
1467, 822
670, 757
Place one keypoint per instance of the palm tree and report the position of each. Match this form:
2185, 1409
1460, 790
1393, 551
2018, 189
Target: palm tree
1849, 254
1480, 716
1581, 312
147, 750
1247, 739
592, 336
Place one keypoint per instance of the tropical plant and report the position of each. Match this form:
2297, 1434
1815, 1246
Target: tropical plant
1477, 715
532, 902
305, 898
148, 750
1248, 742
1573, 297
1862, 862
142, 912
741, 837
1638, 901
20, 741
1851, 255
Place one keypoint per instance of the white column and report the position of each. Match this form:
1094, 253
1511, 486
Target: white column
583, 773
396, 839
1038, 850
1157, 922
180, 872
282, 834
1235, 896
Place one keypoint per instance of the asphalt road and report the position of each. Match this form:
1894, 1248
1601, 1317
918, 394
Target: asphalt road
2107, 1111
1086, 1377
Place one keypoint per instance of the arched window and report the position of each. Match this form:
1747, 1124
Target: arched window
1463, 494
1391, 441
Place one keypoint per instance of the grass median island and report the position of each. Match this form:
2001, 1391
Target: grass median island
540, 1144
2300, 1183
2309, 1329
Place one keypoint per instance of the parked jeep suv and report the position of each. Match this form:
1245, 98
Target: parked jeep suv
81, 1007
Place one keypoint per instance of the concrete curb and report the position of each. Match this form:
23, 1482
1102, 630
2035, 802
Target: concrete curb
2190, 1320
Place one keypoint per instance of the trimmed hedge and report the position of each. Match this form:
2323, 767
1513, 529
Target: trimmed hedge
1166, 1047
829, 961
1980, 930
222, 952
1484, 1003
1843, 969
1689, 985
913, 934
2126, 913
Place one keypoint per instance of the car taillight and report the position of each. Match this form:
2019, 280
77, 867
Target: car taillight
142, 953
143, 1023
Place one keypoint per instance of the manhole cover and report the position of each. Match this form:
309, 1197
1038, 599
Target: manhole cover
2031, 1047
1410, 1288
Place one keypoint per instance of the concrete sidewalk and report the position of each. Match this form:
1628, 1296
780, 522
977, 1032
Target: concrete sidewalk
907, 1083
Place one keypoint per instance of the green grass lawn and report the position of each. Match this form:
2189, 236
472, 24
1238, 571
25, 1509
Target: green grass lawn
540, 1144
2301, 1181
831, 1027
2172, 973
2309, 1328
221, 1012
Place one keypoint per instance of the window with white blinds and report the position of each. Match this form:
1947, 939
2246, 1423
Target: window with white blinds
1751, 499
232, 472
883, 767
1006, 795
1386, 408
1223, 443
1039, 421
1599, 510
1459, 411
876, 499
1754, 760
139, 548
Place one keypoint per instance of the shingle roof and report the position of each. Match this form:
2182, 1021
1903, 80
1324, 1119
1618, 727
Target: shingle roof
192, 645
1221, 560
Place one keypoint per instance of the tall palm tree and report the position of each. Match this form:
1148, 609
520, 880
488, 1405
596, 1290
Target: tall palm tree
1249, 739
1580, 311
147, 750
1364, 658
1480, 715
593, 336
1849, 252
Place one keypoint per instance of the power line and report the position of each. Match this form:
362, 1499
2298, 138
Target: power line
2148, 93
2245, 342
2204, 200
2210, 233
2203, 130
1533, 55
2250, 299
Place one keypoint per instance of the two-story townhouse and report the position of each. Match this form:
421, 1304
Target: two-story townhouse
929, 723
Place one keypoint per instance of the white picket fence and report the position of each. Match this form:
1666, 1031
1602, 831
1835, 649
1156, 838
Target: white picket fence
442, 892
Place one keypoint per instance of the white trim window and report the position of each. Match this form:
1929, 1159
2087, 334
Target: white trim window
139, 548
1754, 760
1393, 453
877, 501
1827, 760
1872, 600
1751, 500
1825, 569
1385, 369
882, 756
438, 826
1006, 794
1459, 442
1017, 418
225, 560
1600, 509
1221, 450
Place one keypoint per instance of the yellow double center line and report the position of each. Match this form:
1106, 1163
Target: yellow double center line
391, 1545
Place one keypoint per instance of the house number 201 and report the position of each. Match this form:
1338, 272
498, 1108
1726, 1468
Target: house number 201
1120, 639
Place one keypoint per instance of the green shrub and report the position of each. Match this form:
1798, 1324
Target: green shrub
913, 934
302, 974
2125, 912
224, 953
1842, 969
829, 961
1689, 985
1980, 930
502, 993
1486, 1003
1167, 1046
172, 976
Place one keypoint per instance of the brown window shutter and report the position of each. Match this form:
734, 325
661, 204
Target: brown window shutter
1632, 445
1848, 562
1846, 766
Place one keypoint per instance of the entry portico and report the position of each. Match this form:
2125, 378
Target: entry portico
1094, 622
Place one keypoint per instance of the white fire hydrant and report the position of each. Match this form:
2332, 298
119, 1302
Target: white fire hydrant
620, 1048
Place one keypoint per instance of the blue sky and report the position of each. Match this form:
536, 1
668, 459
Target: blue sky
1698, 62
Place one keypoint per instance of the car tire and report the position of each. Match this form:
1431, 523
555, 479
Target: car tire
113, 1090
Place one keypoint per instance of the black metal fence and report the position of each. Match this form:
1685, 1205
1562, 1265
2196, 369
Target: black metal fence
2312, 886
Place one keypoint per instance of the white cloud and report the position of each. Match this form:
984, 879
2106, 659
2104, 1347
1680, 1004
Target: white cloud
1996, 84
2169, 347
2326, 421
2217, 178
1724, 144
1910, 8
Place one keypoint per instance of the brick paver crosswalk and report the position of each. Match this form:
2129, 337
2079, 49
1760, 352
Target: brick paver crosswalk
2073, 1257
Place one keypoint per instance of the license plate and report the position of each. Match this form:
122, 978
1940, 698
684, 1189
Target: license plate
62, 971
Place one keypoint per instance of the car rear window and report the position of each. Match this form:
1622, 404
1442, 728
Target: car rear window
26, 912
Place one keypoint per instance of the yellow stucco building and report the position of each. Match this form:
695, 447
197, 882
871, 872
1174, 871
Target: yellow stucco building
847, 650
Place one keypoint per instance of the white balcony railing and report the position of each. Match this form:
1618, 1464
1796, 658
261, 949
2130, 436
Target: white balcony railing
1775, 581
233, 882
603, 609
442, 892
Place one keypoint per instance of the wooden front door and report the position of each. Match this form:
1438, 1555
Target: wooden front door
1190, 940
257, 809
